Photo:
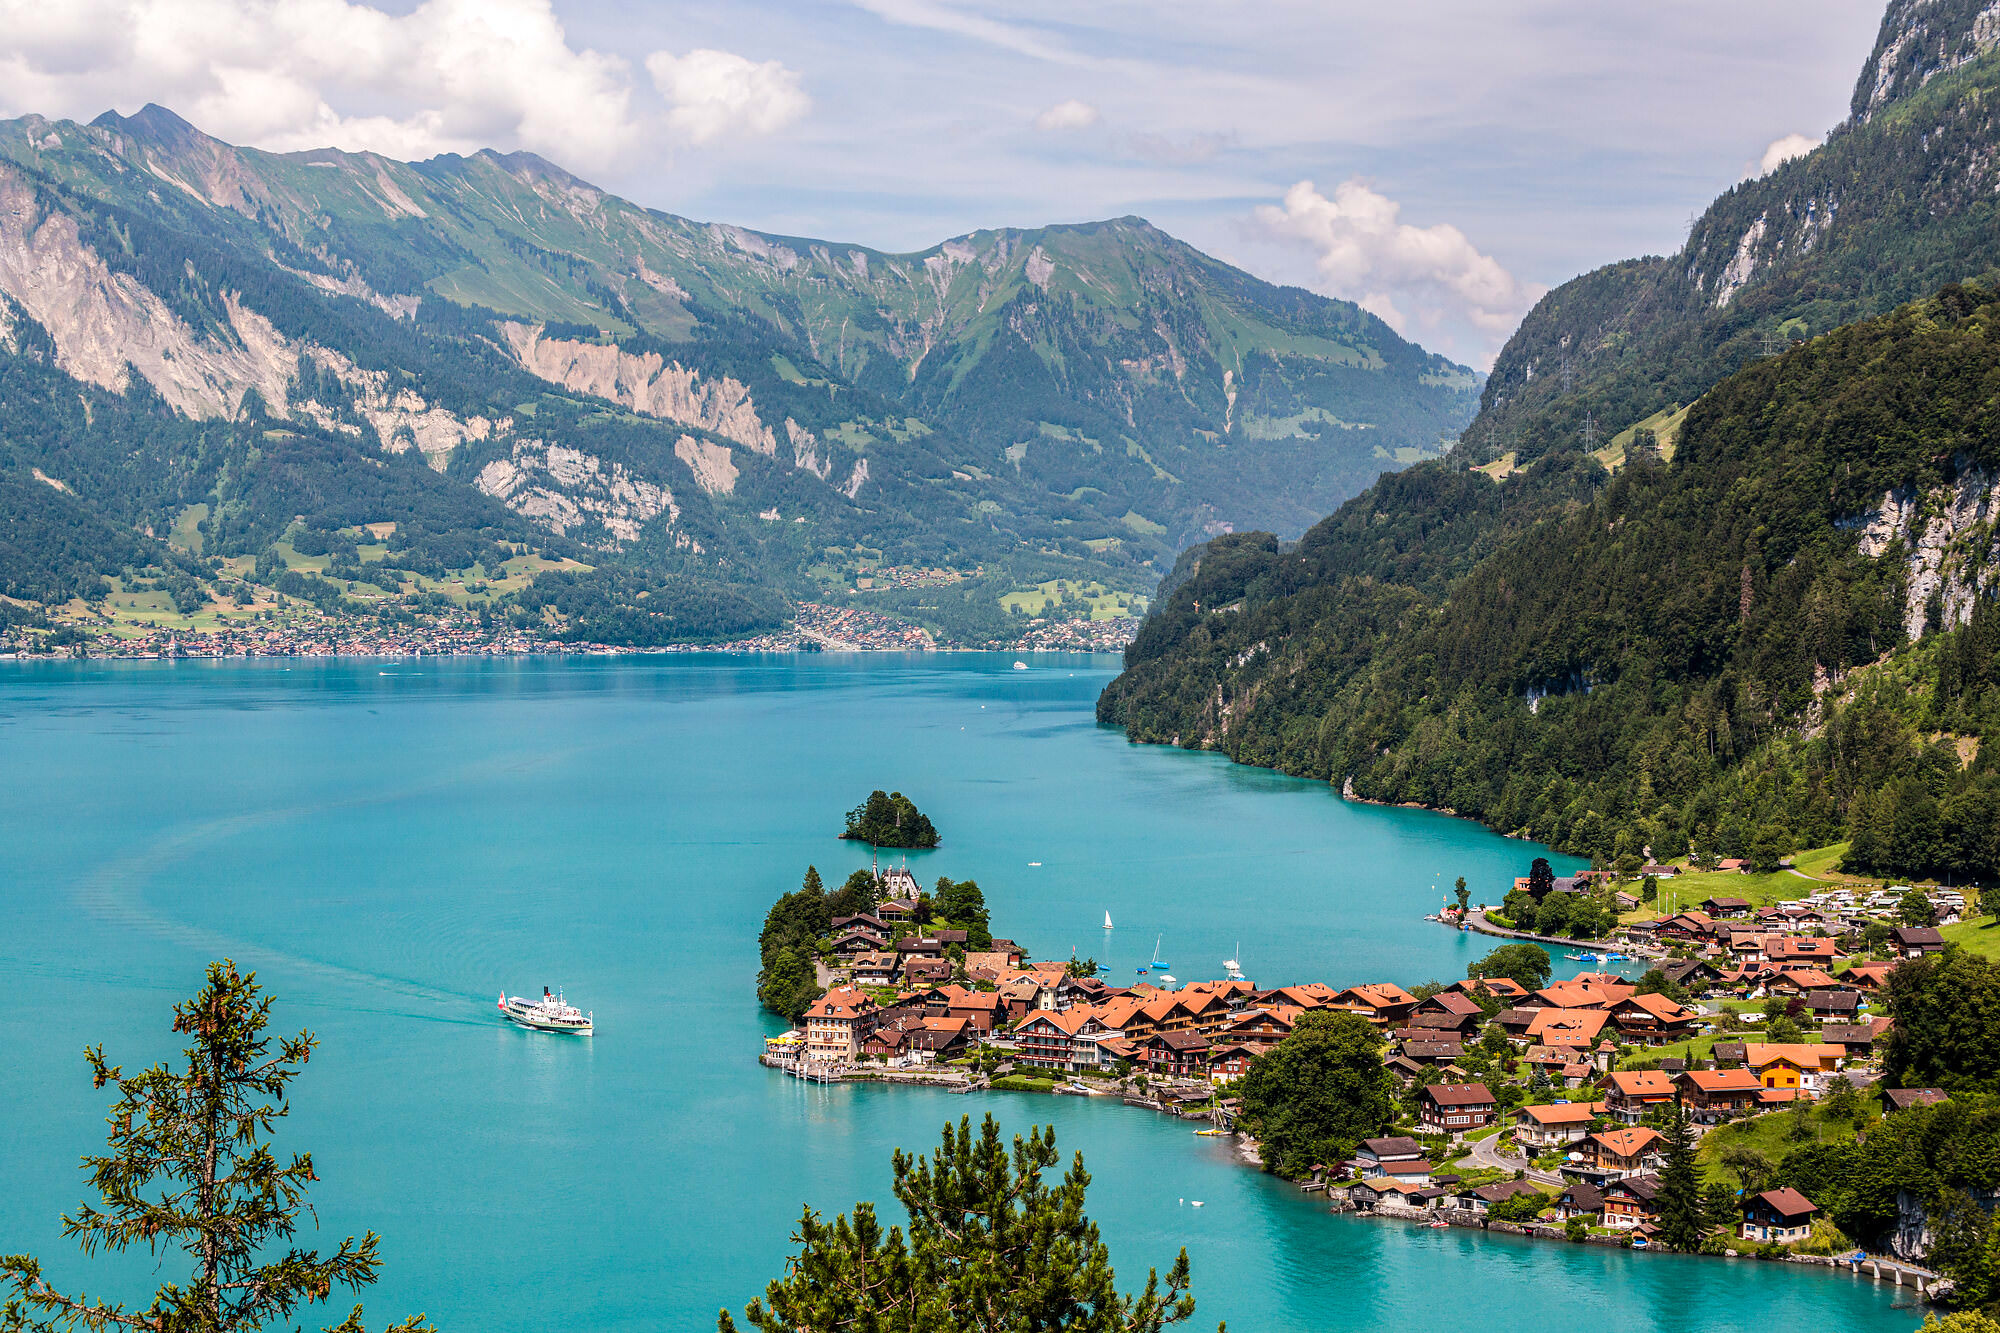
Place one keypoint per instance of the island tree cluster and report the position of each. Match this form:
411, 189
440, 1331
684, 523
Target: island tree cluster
890, 819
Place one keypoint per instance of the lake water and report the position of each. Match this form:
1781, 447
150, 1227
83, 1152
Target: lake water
391, 844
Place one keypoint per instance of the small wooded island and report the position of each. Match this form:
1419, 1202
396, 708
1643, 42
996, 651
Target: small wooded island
890, 819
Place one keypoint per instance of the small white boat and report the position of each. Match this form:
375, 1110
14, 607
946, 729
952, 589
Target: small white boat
1107, 921
1230, 967
1020, 665
551, 1013
1166, 980
1194, 1203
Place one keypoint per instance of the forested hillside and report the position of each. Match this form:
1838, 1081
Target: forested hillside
1788, 633
223, 349
1676, 584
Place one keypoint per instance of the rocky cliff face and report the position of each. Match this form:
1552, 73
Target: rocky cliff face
107, 325
570, 492
1898, 201
631, 381
1948, 541
647, 383
1919, 40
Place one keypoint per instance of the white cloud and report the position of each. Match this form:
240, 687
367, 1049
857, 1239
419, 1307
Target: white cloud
445, 76
1422, 281
716, 93
1784, 150
1069, 115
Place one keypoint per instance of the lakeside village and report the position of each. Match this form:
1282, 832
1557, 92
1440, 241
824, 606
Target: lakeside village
300, 630
1592, 1109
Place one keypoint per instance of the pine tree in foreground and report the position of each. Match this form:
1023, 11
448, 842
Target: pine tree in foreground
1683, 1210
992, 1248
187, 1167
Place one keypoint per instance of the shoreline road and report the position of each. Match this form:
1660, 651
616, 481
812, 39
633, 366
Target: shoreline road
1486, 1152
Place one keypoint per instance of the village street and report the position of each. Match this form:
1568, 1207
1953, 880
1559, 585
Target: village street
1486, 1155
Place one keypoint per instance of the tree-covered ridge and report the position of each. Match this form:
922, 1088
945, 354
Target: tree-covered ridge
890, 819
1891, 208
1711, 649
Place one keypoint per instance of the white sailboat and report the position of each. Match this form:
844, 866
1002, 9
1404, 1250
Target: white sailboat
1107, 921
1231, 968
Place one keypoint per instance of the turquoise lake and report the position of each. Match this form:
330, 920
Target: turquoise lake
391, 844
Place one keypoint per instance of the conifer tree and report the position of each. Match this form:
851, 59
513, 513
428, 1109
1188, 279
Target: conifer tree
188, 1168
1683, 1220
991, 1248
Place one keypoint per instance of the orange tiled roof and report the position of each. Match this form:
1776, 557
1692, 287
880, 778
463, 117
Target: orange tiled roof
1722, 1080
1566, 1027
1563, 1113
1806, 1055
1642, 1083
1629, 1142
841, 1002
1660, 1007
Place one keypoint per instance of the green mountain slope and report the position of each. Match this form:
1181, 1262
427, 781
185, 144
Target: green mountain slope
1789, 632
1898, 202
1072, 402
1668, 589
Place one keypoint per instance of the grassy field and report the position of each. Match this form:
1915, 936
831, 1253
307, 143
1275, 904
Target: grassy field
184, 534
1666, 427
1695, 1048
1046, 597
130, 613
1975, 936
1812, 872
1769, 1134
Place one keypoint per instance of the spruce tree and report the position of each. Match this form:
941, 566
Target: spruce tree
1683, 1220
188, 1167
992, 1247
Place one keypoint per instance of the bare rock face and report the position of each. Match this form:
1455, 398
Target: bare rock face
1947, 537
648, 384
856, 479
1919, 40
565, 490
401, 418
714, 470
805, 451
105, 325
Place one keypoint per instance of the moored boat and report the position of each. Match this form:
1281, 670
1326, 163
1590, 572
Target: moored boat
551, 1013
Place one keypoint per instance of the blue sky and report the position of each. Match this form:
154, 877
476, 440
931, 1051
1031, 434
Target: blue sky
1441, 161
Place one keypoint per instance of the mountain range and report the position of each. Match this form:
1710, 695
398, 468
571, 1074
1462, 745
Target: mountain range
210, 352
1714, 569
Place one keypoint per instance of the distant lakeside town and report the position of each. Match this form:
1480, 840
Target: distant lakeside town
1664, 1111
302, 633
